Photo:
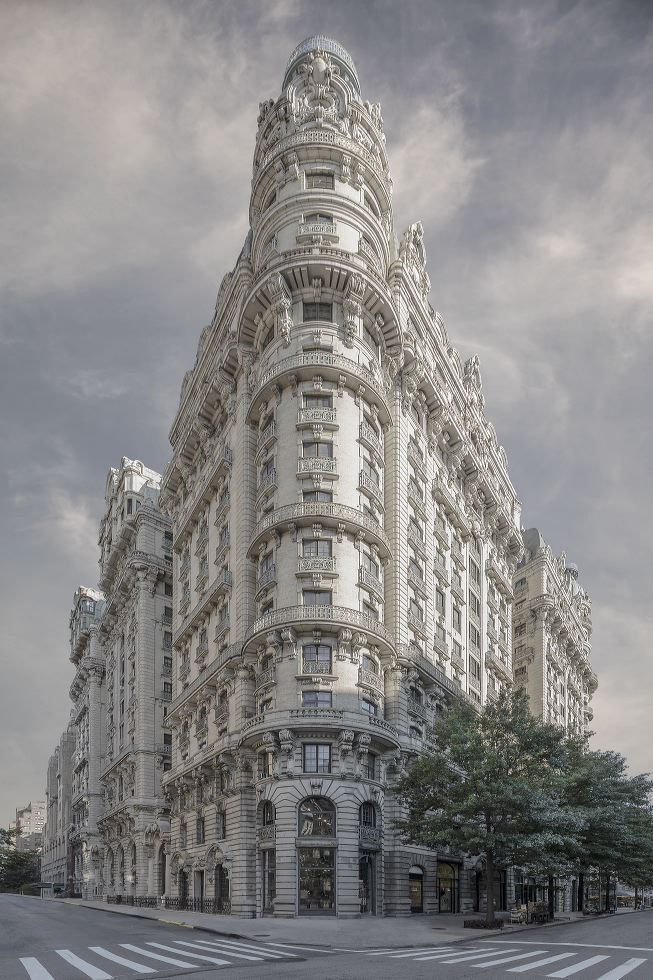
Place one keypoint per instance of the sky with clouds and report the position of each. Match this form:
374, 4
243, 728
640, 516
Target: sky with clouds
519, 133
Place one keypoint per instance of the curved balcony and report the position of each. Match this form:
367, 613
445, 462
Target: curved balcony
369, 679
325, 466
370, 582
339, 616
369, 438
370, 488
310, 566
453, 506
216, 468
330, 366
353, 519
326, 417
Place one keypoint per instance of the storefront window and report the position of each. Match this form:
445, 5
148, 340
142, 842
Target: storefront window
317, 880
317, 817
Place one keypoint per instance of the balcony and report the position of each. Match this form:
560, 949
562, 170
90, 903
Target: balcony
496, 570
223, 546
164, 750
497, 665
222, 508
265, 678
267, 578
454, 507
458, 662
317, 232
369, 679
325, 565
457, 554
458, 592
416, 708
416, 624
441, 573
370, 488
309, 513
441, 531
221, 714
417, 541
167, 669
325, 466
441, 647
474, 683
316, 667
267, 482
221, 629
369, 438
215, 468
418, 583
325, 417
166, 620
417, 500
474, 617
184, 670
202, 538
184, 567
267, 437
370, 837
491, 632
493, 601
417, 459
202, 577
184, 602
370, 582
267, 834
320, 614
202, 651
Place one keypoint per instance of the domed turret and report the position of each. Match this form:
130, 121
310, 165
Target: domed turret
319, 44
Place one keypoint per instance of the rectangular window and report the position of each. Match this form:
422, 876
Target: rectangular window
474, 636
369, 707
370, 471
456, 619
323, 450
370, 339
475, 668
317, 597
416, 568
439, 601
317, 757
320, 179
167, 611
457, 649
316, 699
220, 825
268, 467
416, 609
317, 401
520, 630
370, 610
318, 311
167, 589
474, 571
316, 658
474, 603
370, 565
416, 528
167, 640
317, 496
167, 690
199, 831
316, 548
130, 505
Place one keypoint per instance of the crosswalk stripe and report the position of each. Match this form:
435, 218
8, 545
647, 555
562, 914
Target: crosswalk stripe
108, 955
34, 969
310, 949
406, 949
473, 955
538, 963
509, 959
257, 950
434, 949
193, 956
623, 970
91, 971
452, 951
577, 967
157, 956
238, 956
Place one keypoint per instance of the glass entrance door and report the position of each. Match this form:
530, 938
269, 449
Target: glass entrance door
317, 880
447, 887
416, 890
366, 889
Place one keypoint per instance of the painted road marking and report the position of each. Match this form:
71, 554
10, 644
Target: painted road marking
34, 969
108, 955
508, 959
465, 957
309, 949
193, 956
157, 956
623, 970
207, 949
544, 962
527, 942
577, 967
91, 971
226, 944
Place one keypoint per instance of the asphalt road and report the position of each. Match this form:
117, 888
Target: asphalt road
53, 941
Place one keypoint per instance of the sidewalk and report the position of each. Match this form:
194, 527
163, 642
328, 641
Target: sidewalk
367, 933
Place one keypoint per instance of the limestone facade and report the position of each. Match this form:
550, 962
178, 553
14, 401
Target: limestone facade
135, 636
552, 634
56, 867
345, 535
29, 824
87, 693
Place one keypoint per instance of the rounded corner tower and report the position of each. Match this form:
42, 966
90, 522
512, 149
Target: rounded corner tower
322, 525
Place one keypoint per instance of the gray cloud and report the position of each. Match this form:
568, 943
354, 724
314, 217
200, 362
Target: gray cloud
519, 134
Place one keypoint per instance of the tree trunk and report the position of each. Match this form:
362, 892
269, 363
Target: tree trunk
489, 887
635, 896
581, 892
607, 893
552, 907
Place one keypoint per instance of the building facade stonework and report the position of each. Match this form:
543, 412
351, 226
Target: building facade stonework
135, 636
345, 535
56, 867
552, 634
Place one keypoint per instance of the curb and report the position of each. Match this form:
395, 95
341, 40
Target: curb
154, 918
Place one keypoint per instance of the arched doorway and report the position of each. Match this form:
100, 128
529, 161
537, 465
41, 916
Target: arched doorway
317, 864
448, 887
416, 888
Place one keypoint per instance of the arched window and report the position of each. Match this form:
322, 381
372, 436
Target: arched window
267, 814
317, 817
367, 815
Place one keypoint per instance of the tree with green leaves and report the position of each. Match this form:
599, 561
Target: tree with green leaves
17, 868
492, 783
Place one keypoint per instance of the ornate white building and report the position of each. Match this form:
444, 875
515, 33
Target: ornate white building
135, 636
88, 696
552, 632
56, 855
345, 534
